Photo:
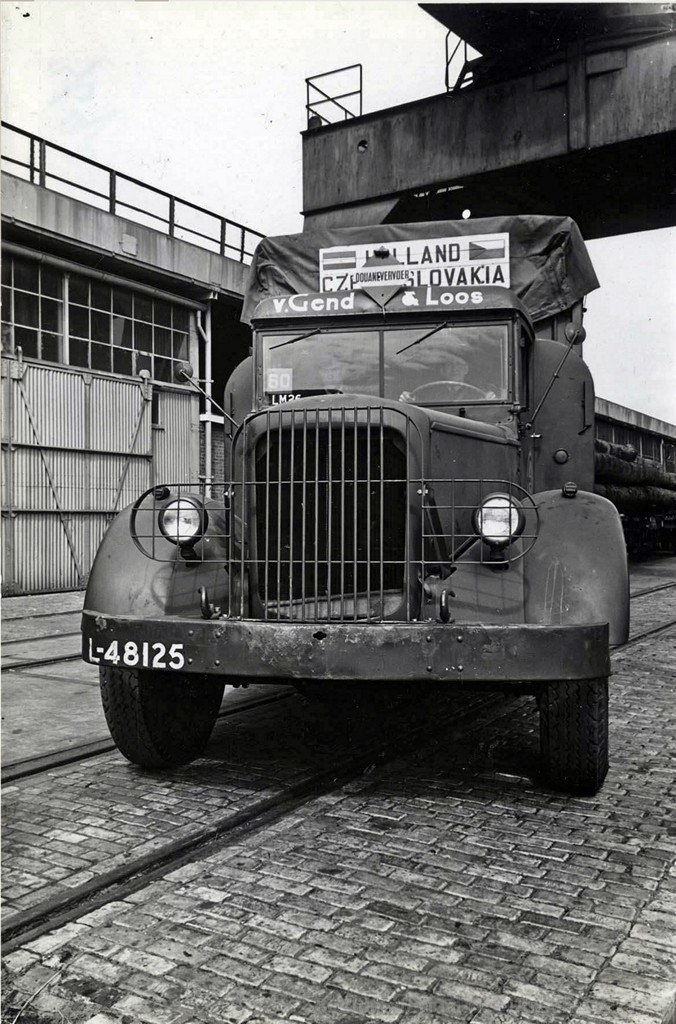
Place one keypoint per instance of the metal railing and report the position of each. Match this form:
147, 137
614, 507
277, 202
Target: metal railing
316, 97
44, 163
461, 74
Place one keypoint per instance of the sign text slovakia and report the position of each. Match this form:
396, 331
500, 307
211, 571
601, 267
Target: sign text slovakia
464, 261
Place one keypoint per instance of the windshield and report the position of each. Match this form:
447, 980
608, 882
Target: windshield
432, 364
453, 364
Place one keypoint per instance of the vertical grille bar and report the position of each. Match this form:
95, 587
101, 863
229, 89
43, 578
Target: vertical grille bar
407, 531
368, 510
329, 489
454, 539
242, 539
280, 486
356, 491
267, 512
381, 513
292, 524
303, 562
342, 513
316, 547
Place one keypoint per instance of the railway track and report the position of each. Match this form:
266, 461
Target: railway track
651, 590
23, 645
8, 617
56, 659
41, 662
28, 766
126, 879
36, 639
636, 638
122, 881
31, 766
61, 907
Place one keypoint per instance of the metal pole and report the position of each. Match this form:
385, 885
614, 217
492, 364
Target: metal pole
205, 335
42, 180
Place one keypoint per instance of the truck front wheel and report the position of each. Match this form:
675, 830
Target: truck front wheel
574, 734
159, 719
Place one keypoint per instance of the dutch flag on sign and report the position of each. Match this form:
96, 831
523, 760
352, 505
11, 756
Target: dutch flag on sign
490, 250
340, 259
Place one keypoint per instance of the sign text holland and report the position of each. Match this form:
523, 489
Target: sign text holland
469, 261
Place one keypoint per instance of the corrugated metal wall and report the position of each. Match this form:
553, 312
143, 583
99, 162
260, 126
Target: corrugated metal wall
175, 441
77, 448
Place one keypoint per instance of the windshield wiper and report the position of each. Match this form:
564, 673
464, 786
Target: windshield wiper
418, 340
300, 337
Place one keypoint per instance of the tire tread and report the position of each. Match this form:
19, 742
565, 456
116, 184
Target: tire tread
574, 734
159, 720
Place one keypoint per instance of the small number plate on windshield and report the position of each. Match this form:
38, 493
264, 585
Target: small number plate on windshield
134, 655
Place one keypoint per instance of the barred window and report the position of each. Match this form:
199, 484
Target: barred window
109, 328
670, 457
651, 447
121, 331
32, 309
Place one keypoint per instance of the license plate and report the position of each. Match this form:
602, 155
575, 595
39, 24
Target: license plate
134, 655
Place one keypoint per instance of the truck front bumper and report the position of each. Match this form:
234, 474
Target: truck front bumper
399, 652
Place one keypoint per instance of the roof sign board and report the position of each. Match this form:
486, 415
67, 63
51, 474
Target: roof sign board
460, 261
544, 261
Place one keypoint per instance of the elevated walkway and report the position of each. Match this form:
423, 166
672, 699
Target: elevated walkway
48, 222
580, 119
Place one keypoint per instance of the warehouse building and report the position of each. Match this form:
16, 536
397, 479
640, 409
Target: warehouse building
108, 286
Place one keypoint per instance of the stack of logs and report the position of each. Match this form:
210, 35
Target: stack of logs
636, 486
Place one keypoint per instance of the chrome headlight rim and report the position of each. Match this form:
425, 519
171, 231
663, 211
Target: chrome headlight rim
514, 531
181, 504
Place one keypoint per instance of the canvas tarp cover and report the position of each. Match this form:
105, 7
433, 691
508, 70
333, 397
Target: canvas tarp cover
550, 267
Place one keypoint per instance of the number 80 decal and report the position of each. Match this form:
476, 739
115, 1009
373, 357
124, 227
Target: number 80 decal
143, 655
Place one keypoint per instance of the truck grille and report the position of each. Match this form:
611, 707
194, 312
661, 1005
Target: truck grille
327, 516
331, 516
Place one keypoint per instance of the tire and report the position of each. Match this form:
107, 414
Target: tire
159, 719
574, 734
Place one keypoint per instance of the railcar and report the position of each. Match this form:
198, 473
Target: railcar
635, 467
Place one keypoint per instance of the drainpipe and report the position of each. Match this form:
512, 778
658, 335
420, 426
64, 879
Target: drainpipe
205, 334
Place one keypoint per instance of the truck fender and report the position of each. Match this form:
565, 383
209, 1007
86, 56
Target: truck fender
125, 581
576, 572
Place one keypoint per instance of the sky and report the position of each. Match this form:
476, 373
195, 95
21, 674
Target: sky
206, 99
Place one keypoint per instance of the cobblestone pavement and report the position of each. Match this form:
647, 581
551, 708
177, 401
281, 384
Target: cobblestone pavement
652, 571
652, 609
63, 697
443, 887
65, 826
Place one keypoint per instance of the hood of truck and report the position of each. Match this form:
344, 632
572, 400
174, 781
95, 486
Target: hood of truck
427, 420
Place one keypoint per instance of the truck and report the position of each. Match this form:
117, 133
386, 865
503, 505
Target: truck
408, 500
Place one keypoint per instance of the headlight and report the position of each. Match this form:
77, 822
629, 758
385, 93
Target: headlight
498, 520
183, 521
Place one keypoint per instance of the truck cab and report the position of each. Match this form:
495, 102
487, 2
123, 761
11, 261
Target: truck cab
408, 500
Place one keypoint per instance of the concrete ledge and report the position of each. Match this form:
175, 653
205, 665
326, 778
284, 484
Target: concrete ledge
51, 214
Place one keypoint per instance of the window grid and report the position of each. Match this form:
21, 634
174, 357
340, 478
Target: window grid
110, 329
32, 309
124, 332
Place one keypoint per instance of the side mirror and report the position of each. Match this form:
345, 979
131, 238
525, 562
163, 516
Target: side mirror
182, 372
